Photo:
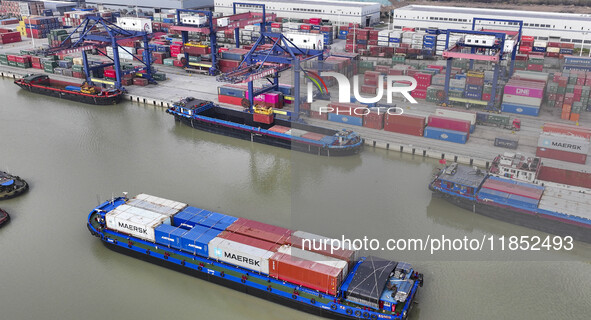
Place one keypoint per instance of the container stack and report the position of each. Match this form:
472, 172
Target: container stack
511, 193
474, 85
7, 36
570, 92
524, 92
231, 59
447, 129
57, 36
577, 63
456, 114
423, 82
39, 27
564, 142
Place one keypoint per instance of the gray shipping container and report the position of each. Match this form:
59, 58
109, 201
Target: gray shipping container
506, 143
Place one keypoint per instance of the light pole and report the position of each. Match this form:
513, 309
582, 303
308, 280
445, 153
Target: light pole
583, 44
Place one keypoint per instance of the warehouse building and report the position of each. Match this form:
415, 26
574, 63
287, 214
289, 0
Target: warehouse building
567, 27
150, 5
338, 12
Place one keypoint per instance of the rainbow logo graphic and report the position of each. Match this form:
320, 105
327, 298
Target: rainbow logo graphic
317, 80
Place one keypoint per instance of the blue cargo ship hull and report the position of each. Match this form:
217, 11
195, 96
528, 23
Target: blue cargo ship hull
259, 285
525, 218
239, 124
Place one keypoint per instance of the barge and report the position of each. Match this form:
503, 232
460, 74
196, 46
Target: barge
261, 126
4, 217
263, 260
42, 84
11, 186
511, 192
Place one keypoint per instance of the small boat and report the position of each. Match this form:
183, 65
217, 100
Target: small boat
11, 186
85, 93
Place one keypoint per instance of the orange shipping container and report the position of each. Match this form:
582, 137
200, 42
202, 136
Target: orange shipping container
567, 129
306, 273
574, 117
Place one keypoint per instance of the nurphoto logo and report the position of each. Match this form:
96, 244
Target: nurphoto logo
345, 87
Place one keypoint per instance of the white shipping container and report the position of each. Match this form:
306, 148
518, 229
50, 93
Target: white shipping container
161, 201
135, 24
318, 105
223, 22
240, 254
395, 34
529, 101
314, 41
394, 45
316, 257
383, 43
564, 143
553, 49
540, 43
194, 20
136, 222
163, 210
509, 44
384, 33
567, 201
455, 114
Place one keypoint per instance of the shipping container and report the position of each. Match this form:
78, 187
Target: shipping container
196, 240
161, 201
449, 123
134, 221
522, 100
563, 143
520, 109
561, 155
169, 236
564, 176
334, 248
527, 89
298, 253
351, 120
405, 123
259, 230
506, 143
446, 135
518, 188
567, 130
310, 274
239, 254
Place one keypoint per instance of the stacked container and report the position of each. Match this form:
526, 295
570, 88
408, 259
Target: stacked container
404, 123
447, 129
564, 142
511, 193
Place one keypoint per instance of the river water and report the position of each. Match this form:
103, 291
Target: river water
73, 154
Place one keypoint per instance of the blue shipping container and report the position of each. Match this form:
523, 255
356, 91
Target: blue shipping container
520, 109
473, 88
428, 37
233, 92
445, 135
566, 51
460, 76
395, 40
572, 60
538, 49
343, 32
473, 95
432, 31
196, 240
183, 218
354, 121
72, 88
472, 128
169, 236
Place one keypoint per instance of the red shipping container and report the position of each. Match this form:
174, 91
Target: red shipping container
564, 176
140, 82
449, 123
312, 136
486, 96
475, 81
306, 273
404, 123
318, 115
568, 130
305, 27
561, 155
525, 49
535, 67
419, 93
237, 101
257, 243
518, 190
262, 231
527, 38
369, 89
374, 120
110, 73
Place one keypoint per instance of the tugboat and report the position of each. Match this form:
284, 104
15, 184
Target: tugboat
85, 93
11, 186
4, 217
261, 126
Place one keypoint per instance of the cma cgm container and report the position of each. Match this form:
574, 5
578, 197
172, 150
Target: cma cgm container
561, 155
240, 254
311, 274
563, 143
446, 135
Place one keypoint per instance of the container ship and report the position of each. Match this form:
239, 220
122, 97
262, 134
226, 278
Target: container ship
262, 126
11, 186
4, 217
521, 191
41, 83
263, 260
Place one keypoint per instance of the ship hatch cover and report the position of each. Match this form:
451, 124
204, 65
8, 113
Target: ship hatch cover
370, 279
